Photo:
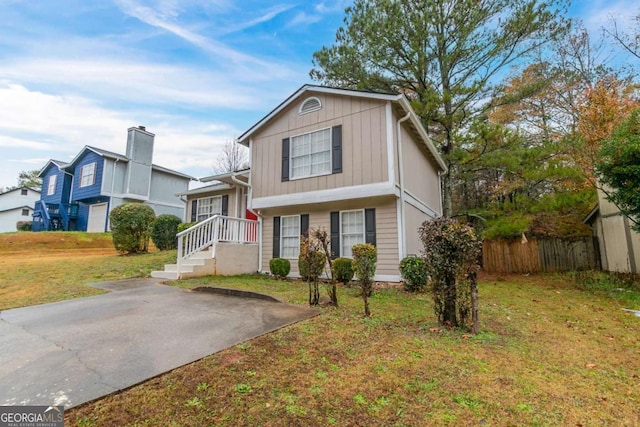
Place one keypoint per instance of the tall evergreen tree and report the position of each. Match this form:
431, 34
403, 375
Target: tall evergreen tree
443, 54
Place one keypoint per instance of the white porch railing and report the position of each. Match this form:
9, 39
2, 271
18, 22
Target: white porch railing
213, 230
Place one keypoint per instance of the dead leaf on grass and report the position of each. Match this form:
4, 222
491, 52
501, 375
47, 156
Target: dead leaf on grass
590, 365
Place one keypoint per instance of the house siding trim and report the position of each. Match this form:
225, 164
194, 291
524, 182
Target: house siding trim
330, 195
390, 156
420, 205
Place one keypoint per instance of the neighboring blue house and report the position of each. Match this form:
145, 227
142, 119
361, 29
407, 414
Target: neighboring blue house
79, 195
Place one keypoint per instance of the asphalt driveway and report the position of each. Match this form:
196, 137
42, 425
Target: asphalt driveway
70, 352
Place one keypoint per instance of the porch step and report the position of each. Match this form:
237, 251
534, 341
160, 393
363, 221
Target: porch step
198, 264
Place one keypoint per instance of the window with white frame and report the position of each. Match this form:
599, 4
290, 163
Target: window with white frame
24, 192
88, 174
209, 207
25, 212
51, 185
311, 154
352, 231
290, 236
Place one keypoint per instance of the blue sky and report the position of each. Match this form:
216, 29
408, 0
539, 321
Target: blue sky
196, 73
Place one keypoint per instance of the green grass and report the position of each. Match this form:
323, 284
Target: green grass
549, 353
552, 350
59, 266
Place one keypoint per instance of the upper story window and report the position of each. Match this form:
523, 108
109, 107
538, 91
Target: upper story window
352, 230
51, 185
309, 105
311, 154
88, 174
24, 192
290, 236
209, 207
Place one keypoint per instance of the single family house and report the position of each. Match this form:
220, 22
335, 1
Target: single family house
79, 195
16, 206
619, 244
358, 164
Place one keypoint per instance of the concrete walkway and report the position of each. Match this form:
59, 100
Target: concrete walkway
74, 351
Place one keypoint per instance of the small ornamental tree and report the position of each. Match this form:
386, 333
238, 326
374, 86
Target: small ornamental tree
365, 257
164, 230
451, 252
619, 168
310, 266
324, 241
131, 227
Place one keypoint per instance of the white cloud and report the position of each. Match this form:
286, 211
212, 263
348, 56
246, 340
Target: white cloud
303, 18
58, 127
265, 17
599, 14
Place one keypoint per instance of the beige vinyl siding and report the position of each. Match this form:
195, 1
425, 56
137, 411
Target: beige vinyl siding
420, 172
414, 219
364, 152
319, 216
232, 201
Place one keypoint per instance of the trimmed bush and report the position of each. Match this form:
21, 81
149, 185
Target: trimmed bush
183, 226
414, 274
343, 270
279, 267
451, 251
311, 265
131, 227
164, 230
365, 257
23, 225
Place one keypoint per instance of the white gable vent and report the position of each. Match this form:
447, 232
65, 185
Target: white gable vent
309, 105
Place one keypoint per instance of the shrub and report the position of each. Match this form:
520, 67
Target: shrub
164, 230
23, 225
310, 266
279, 267
185, 225
343, 270
414, 274
365, 257
131, 227
451, 252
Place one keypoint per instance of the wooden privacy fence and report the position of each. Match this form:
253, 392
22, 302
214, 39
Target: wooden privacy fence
535, 256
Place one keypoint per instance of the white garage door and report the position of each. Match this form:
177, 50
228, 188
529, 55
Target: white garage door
97, 218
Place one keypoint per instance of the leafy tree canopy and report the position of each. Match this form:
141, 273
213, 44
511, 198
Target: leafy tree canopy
619, 167
444, 55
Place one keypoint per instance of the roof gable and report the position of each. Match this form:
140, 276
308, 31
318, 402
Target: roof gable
52, 163
398, 100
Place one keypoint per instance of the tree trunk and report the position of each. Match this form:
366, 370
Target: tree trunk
450, 317
446, 194
474, 302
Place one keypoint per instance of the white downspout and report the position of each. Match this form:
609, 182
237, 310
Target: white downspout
113, 186
403, 244
249, 199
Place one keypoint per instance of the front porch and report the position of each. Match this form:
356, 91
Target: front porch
54, 216
218, 245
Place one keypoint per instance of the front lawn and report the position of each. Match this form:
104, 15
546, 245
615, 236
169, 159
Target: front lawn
549, 353
37, 268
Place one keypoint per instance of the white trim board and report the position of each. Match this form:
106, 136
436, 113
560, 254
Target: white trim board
329, 195
421, 206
